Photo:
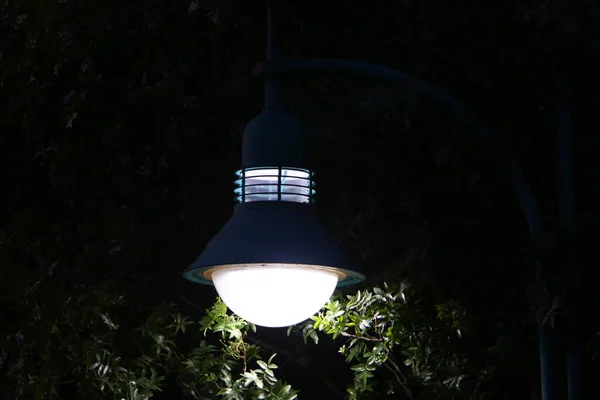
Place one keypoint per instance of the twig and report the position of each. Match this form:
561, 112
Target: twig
244, 355
274, 349
70, 324
366, 338
397, 372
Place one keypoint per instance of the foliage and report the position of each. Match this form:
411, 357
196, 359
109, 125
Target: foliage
419, 347
391, 338
98, 362
120, 124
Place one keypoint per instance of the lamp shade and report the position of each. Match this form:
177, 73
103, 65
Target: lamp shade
273, 263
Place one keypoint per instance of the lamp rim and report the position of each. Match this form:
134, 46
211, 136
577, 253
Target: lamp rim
203, 275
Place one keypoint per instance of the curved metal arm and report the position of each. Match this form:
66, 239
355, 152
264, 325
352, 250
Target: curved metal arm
319, 66
504, 156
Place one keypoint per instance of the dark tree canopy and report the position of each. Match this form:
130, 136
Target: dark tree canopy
120, 127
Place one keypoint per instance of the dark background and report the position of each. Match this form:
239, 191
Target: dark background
121, 125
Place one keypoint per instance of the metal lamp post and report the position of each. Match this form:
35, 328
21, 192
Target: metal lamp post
273, 263
274, 242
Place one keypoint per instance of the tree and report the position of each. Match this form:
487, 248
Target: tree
116, 122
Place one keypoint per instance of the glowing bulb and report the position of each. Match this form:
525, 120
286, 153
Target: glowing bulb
274, 295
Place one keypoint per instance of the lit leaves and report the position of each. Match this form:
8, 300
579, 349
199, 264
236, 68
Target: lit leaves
238, 355
217, 320
391, 327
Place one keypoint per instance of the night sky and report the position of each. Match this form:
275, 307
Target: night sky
121, 124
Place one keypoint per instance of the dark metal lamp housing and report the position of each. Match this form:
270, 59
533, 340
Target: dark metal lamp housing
273, 263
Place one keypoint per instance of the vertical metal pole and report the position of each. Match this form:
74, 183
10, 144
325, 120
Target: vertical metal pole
567, 215
548, 361
274, 96
547, 341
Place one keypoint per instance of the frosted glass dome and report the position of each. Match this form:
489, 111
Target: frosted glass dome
274, 295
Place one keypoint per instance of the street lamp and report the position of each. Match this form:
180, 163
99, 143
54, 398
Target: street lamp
273, 264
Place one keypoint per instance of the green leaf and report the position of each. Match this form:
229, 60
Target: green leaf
314, 336
358, 367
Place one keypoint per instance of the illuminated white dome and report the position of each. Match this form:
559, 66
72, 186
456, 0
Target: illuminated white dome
274, 295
